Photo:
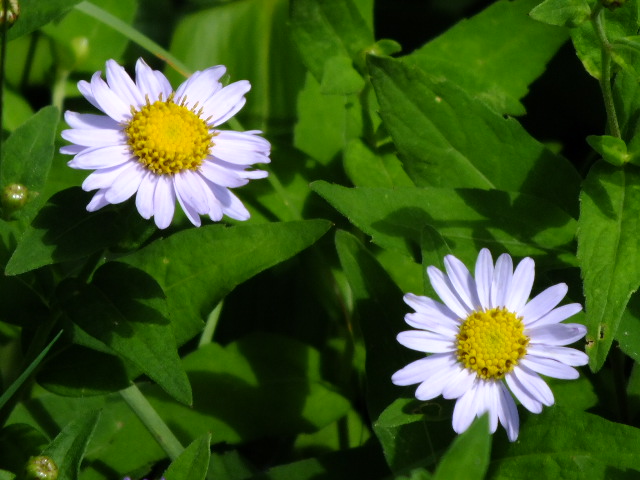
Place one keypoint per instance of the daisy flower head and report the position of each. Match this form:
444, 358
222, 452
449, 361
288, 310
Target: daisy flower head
486, 340
163, 145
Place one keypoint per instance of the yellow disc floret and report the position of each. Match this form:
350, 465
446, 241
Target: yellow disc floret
167, 137
491, 342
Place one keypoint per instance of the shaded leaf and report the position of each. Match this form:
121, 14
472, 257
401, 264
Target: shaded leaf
447, 138
564, 13
196, 268
612, 149
192, 464
35, 13
607, 252
468, 456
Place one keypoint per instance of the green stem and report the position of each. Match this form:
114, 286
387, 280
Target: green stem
59, 86
150, 418
3, 55
605, 75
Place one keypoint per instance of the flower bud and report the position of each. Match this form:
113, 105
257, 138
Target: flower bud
13, 197
41, 468
11, 13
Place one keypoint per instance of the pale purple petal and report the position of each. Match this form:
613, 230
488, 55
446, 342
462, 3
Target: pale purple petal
221, 175
72, 149
502, 277
431, 308
126, 184
200, 86
462, 282
549, 367
566, 355
484, 278
150, 84
122, 85
440, 325
420, 370
533, 384
104, 177
225, 103
145, 195
108, 101
460, 382
231, 205
89, 120
433, 385
466, 408
98, 201
527, 399
508, 413
95, 137
446, 292
556, 315
85, 89
521, 285
427, 342
557, 334
543, 303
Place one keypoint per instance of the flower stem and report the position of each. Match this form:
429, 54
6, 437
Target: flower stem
210, 326
58, 92
150, 418
3, 54
605, 74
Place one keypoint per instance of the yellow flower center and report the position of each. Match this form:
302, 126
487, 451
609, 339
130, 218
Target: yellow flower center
167, 137
491, 343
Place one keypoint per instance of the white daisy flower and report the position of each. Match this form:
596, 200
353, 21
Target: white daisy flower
487, 337
164, 145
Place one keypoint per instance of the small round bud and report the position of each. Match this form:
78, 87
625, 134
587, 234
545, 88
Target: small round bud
41, 468
14, 197
11, 13
80, 48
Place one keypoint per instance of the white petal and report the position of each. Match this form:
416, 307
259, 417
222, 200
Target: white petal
126, 184
459, 383
120, 82
508, 413
533, 384
466, 407
190, 186
556, 315
566, 355
214, 207
72, 149
101, 157
427, 342
104, 177
95, 137
484, 278
231, 205
201, 85
543, 303
462, 281
85, 89
502, 277
491, 401
164, 202
431, 308
446, 292
225, 103
440, 325
549, 367
108, 101
521, 285
422, 369
557, 334
98, 201
150, 84
220, 175
433, 386
527, 400
89, 120
145, 195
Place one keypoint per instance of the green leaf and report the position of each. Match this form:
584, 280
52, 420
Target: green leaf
124, 308
373, 291
619, 23
284, 374
18, 442
563, 443
27, 156
340, 78
468, 455
564, 13
326, 29
16, 110
193, 463
35, 13
628, 334
98, 41
366, 168
608, 232
196, 268
467, 219
493, 56
448, 138
625, 52
612, 149
68, 449
269, 59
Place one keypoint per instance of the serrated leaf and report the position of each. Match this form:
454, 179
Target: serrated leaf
68, 449
196, 268
192, 464
608, 232
564, 13
340, 78
366, 168
124, 308
447, 138
468, 456
585, 447
491, 56
324, 29
468, 219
